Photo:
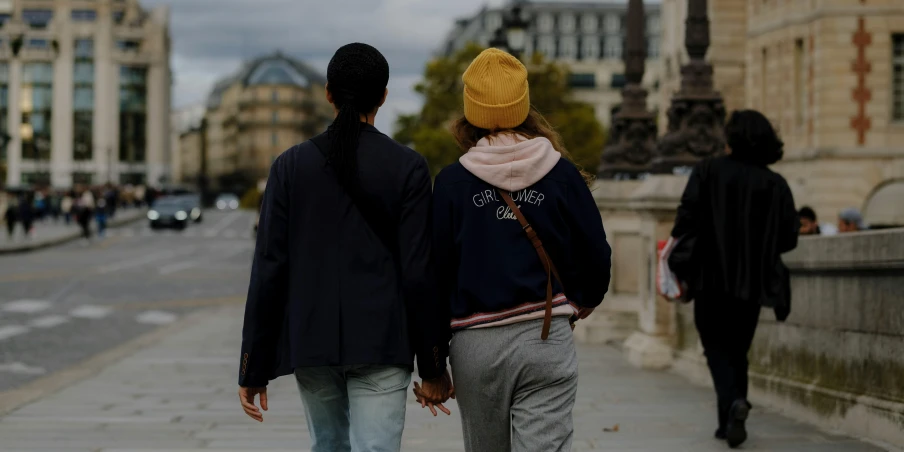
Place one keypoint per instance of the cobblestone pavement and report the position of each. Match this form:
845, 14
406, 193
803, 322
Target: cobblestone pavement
178, 393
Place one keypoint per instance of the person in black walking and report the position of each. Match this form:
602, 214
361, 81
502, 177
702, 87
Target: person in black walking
27, 214
342, 290
742, 218
11, 216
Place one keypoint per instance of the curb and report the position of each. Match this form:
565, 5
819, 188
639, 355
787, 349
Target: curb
21, 248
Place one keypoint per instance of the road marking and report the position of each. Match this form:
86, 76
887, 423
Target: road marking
9, 331
22, 369
156, 317
26, 306
90, 312
173, 268
49, 321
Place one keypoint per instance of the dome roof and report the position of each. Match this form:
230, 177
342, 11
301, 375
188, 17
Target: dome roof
273, 69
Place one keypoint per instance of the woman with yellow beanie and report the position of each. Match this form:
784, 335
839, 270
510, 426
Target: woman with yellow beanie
520, 251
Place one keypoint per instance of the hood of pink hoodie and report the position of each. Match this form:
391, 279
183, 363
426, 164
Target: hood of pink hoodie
511, 162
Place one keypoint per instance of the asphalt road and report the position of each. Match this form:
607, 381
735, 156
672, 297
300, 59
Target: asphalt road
63, 305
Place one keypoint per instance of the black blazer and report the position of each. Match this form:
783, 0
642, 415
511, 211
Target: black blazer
743, 218
325, 289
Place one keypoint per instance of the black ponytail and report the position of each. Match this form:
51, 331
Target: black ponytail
356, 78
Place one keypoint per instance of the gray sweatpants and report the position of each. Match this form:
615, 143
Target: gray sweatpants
515, 390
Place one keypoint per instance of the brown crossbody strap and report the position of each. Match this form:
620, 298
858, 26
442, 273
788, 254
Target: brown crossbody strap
544, 258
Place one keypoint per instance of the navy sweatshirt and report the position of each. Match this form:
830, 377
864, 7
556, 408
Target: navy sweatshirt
485, 262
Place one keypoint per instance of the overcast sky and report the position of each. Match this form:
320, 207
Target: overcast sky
212, 37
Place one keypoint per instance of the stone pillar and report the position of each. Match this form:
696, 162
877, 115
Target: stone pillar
61, 158
14, 124
106, 95
632, 139
157, 122
656, 201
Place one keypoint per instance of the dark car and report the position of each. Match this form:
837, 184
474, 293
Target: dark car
170, 212
193, 207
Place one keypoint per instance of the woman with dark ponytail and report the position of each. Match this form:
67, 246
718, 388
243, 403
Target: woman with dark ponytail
342, 290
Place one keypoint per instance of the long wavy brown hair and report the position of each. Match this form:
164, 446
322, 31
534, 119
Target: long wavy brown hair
535, 126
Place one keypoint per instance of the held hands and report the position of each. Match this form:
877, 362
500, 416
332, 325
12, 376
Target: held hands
246, 396
433, 393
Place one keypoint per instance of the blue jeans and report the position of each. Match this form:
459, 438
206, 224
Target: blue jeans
354, 408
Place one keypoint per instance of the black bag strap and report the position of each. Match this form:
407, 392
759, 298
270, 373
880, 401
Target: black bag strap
382, 229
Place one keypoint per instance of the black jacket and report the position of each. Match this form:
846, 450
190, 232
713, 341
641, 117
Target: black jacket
743, 218
325, 290
487, 265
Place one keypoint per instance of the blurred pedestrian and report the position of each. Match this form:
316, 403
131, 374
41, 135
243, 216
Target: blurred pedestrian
40, 206
100, 216
808, 223
850, 220
111, 197
11, 216
350, 346
512, 298
26, 214
55, 206
742, 218
66, 205
85, 212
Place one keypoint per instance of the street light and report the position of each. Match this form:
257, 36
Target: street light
511, 37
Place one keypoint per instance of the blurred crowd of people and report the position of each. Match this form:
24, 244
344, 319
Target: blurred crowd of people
849, 220
81, 205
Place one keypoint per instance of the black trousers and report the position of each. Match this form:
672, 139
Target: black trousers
726, 328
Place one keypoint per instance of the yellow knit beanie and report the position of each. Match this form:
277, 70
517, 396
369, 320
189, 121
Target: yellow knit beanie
497, 95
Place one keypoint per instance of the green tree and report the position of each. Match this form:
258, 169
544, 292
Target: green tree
428, 131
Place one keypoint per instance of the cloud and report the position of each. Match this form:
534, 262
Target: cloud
211, 38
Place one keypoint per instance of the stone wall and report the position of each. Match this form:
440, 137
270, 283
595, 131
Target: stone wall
839, 359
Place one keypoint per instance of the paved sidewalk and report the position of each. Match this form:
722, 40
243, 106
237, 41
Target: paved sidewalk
179, 394
49, 234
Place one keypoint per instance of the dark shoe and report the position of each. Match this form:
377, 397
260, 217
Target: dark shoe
736, 432
720, 434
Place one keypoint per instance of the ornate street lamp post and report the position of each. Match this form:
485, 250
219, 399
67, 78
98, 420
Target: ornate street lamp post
632, 138
697, 113
512, 36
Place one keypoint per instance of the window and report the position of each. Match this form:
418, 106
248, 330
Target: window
763, 72
613, 23
898, 77
274, 138
128, 45
548, 46
582, 80
84, 15
84, 48
653, 24
4, 18
589, 23
275, 96
613, 47
275, 117
545, 22
590, 48
37, 106
133, 94
566, 23
80, 178
800, 82
568, 47
618, 81
83, 101
652, 48
492, 21
37, 18
34, 43
118, 16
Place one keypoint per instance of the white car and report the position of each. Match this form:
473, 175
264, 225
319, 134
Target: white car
227, 202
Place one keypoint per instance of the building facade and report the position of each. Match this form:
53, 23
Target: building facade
85, 90
586, 36
271, 104
830, 75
